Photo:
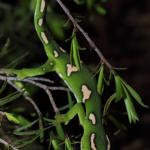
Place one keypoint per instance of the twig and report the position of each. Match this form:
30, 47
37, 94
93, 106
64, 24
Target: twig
41, 79
57, 88
89, 40
7, 144
2, 132
2, 77
108, 142
30, 78
42, 86
27, 98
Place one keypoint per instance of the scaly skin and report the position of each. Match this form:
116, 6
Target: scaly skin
80, 83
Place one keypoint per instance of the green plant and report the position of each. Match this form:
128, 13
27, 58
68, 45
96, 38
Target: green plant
86, 88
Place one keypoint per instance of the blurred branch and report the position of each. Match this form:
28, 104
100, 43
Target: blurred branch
33, 81
7, 144
27, 98
4, 6
89, 40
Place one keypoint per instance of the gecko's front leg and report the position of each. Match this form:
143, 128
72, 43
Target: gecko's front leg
77, 109
30, 72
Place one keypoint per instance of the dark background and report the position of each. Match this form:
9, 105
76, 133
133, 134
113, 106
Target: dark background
123, 35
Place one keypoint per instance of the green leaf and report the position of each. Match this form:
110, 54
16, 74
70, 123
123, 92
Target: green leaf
27, 133
48, 120
23, 120
118, 86
24, 143
132, 115
55, 143
100, 83
74, 52
79, 2
90, 3
29, 125
134, 94
108, 102
4, 50
12, 118
11, 97
70, 101
101, 10
117, 123
41, 130
3, 87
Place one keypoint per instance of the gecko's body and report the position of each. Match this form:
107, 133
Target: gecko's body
80, 83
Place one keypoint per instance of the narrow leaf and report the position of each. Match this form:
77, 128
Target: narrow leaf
132, 115
26, 126
12, 118
118, 85
70, 101
9, 98
117, 123
41, 130
27, 133
77, 1
109, 101
23, 120
101, 10
74, 52
3, 87
24, 143
135, 95
100, 83
76, 55
90, 3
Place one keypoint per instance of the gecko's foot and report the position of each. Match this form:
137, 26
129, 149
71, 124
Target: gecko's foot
61, 118
8, 72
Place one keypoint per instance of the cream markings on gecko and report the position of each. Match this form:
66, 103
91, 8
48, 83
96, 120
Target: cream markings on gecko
56, 54
42, 6
92, 118
93, 146
70, 69
40, 22
86, 93
44, 38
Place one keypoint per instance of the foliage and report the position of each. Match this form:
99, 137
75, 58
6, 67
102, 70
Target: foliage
32, 126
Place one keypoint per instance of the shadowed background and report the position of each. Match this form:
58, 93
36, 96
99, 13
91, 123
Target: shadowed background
123, 35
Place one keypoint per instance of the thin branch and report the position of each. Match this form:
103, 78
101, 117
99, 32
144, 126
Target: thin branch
46, 89
2, 132
57, 88
30, 78
30, 100
42, 86
54, 88
89, 40
108, 142
7, 144
27, 98
41, 79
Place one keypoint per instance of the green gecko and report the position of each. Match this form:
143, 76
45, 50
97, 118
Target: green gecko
79, 81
